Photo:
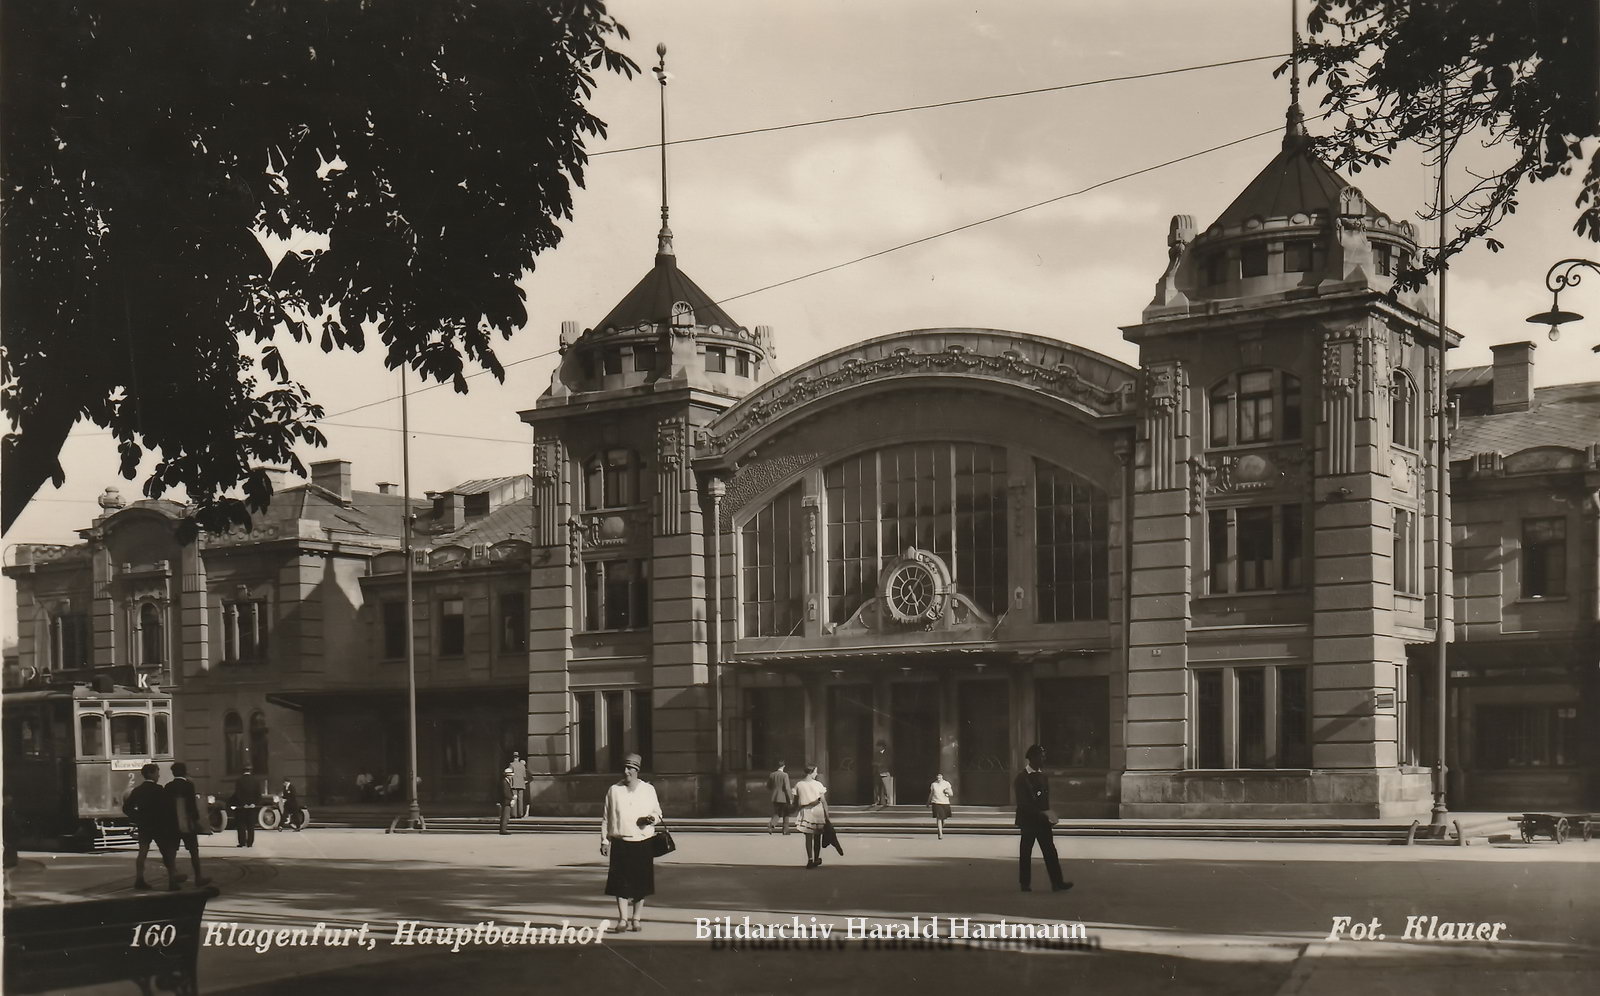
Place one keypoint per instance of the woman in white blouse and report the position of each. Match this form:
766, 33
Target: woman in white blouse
626, 828
811, 817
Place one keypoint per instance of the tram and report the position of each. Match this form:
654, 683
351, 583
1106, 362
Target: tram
73, 753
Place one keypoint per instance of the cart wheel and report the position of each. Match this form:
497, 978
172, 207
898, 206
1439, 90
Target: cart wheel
269, 817
1527, 832
219, 820
1561, 830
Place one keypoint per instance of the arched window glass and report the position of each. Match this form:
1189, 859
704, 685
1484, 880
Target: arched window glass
233, 743
1403, 410
1072, 523
1255, 406
152, 635
258, 743
163, 734
611, 480
772, 567
92, 736
130, 735
947, 498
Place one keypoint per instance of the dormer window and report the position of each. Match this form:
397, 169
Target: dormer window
1255, 406
1214, 267
1299, 255
682, 315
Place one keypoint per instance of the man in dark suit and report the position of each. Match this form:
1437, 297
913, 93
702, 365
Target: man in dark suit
1033, 819
247, 802
156, 823
508, 796
183, 803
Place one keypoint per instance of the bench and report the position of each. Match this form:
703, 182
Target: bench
1556, 826
146, 939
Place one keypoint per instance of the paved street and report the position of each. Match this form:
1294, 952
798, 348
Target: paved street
1162, 917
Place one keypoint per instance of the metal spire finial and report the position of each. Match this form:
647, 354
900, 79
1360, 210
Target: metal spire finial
1295, 121
664, 237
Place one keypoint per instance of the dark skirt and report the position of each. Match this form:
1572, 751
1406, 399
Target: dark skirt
632, 874
941, 811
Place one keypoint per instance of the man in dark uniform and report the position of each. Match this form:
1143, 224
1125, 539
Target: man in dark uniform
183, 804
247, 799
156, 822
1033, 819
508, 796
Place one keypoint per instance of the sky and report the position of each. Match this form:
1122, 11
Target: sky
748, 212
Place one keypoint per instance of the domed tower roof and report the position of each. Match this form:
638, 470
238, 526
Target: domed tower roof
666, 331
1297, 229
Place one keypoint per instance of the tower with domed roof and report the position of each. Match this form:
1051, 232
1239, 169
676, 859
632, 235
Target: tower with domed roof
1283, 511
618, 608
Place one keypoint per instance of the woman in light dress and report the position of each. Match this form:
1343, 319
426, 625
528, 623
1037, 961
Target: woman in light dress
811, 818
626, 828
939, 794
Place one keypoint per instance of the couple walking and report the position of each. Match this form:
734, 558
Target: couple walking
166, 816
807, 799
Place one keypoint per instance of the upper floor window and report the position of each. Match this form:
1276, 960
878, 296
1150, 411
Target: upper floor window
1544, 557
716, 360
1260, 548
1072, 525
616, 594
69, 640
394, 630
1383, 259
452, 627
513, 621
611, 358
244, 631
1253, 260
644, 356
152, 635
1214, 267
772, 567
1255, 406
1407, 553
611, 479
1403, 411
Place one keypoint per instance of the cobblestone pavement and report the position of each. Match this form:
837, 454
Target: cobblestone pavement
1159, 916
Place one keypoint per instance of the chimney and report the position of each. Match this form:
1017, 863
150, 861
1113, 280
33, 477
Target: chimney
385, 487
332, 475
1513, 376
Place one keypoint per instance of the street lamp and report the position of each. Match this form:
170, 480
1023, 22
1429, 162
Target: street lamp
1561, 276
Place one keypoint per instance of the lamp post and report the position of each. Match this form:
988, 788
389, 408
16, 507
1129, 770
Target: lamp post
1562, 275
413, 819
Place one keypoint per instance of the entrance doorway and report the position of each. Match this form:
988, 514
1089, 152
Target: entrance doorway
849, 775
915, 746
984, 717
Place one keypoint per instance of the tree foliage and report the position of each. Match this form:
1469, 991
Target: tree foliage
433, 145
1517, 75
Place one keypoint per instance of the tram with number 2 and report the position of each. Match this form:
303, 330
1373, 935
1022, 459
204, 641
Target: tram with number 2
73, 753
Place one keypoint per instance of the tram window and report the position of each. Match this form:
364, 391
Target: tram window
163, 740
130, 735
92, 734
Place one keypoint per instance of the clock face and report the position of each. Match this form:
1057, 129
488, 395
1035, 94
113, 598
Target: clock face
912, 592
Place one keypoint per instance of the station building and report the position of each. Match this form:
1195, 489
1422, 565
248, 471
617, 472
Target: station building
1205, 582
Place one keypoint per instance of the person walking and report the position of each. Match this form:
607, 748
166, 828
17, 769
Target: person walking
519, 785
627, 825
247, 803
508, 797
939, 795
883, 783
183, 802
155, 823
781, 788
811, 814
1035, 821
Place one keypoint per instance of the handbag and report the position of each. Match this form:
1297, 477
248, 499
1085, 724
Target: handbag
1049, 816
662, 843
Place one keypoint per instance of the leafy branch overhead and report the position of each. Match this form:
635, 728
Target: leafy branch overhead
1519, 76
431, 146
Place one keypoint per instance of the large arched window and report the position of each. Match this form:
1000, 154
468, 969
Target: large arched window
1072, 531
611, 480
258, 743
152, 635
1403, 410
772, 565
1255, 406
233, 743
947, 498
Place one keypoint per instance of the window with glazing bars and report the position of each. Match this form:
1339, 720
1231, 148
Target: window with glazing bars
772, 560
1072, 525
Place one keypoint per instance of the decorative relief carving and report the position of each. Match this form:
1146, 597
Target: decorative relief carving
915, 592
1062, 380
670, 435
546, 461
1163, 429
1281, 468
759, 476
